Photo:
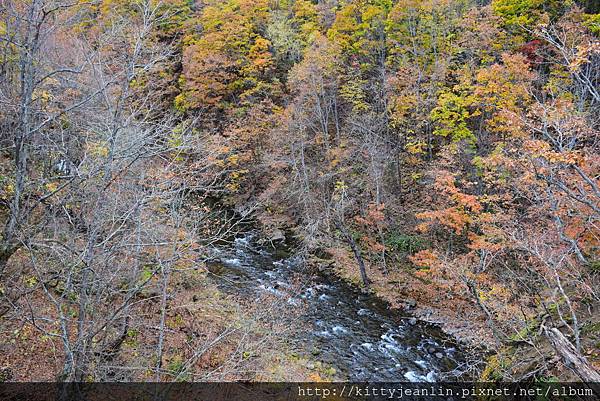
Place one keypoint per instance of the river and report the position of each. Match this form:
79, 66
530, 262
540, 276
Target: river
355, 332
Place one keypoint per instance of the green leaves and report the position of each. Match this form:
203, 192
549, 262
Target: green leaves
527, 13
451, 116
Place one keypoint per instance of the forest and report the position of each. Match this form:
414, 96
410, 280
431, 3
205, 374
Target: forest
441, 157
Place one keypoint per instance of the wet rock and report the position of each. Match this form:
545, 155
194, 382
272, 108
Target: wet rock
431, 350
277, 235
439, 355
412, 321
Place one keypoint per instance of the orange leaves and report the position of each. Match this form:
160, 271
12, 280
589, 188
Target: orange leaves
536, 147
483, 242
373, 223
454, 218
446, 183
468, 202
425, 259
260, 57
207, 76
460, 214
584, 52
318, 70
374, 216
465, 215
372, 244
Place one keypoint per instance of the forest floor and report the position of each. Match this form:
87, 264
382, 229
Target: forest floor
220, 336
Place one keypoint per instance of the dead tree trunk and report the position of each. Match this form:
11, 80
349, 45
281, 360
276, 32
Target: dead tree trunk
570, 357
490, 318
356, 250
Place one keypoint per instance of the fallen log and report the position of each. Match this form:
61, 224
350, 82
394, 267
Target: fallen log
571, 358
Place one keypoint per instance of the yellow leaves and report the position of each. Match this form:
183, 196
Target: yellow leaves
51, 186
502, 89
451, 116
341, 186
305, 10
417, 147
8, 188
236, 175
42, 95
353, 92
260, 57
108, 7
233, 160
520, 14
31, 281
98, 149
415, 176
235, 179
372, 12
230, 58
403, 105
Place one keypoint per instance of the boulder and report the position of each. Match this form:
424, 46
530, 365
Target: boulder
277, 235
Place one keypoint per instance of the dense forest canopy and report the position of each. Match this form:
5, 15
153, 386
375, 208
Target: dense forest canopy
443, 151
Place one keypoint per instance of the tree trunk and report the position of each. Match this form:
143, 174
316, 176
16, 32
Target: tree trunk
570, 357
490, 318
359, 260
356, 250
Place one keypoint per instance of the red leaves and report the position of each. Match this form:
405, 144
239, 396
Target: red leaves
533, 51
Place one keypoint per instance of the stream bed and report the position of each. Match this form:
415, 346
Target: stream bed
340, 325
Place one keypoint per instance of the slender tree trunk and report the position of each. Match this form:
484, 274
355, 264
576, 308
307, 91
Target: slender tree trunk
356, 250
27, 81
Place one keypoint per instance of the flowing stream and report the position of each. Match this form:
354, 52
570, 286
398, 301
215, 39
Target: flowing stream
341, 326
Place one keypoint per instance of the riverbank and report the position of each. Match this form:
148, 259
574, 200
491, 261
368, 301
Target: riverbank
520, 356
404, 290
340, 332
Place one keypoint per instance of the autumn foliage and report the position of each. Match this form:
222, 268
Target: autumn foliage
448, 145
